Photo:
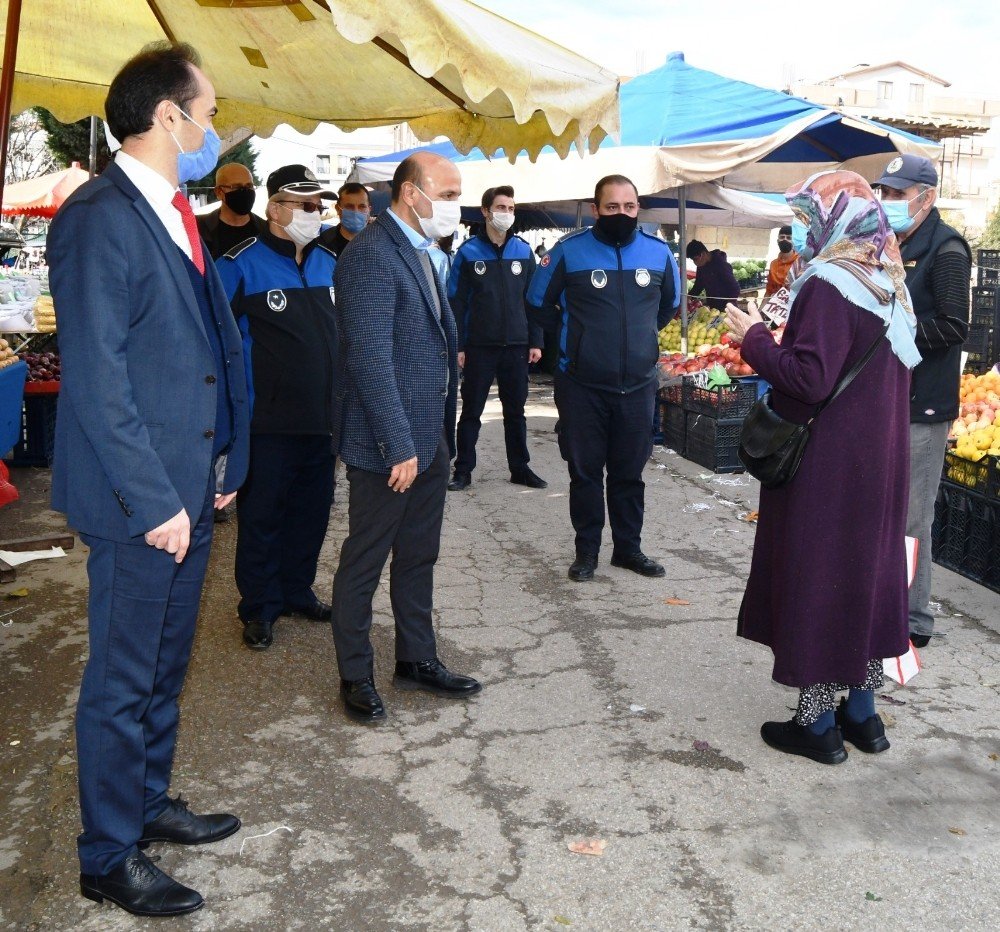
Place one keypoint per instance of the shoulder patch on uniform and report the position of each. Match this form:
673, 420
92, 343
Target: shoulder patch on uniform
241, 247
546, 260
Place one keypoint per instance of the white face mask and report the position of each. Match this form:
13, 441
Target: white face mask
502, 222
443, 221
304, 227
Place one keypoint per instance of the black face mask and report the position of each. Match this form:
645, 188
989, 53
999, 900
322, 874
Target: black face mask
616, 227
784, 246
240, 201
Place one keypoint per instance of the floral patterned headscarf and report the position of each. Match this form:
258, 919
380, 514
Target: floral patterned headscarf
850, 244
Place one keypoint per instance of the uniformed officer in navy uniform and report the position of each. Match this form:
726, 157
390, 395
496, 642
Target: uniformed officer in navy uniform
489, 278
608, 290
280, 287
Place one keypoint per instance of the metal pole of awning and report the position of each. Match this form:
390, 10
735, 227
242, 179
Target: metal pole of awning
579, 215
7, 82
682, 263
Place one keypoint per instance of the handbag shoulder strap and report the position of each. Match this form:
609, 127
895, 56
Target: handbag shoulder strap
857, 367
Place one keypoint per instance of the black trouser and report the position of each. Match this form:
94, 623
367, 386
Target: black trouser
409, 525
599, 429
509, 366
283, 510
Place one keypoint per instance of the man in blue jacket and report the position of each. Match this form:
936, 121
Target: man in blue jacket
151, 435
280, 286
608, 290
397, 392
490, 276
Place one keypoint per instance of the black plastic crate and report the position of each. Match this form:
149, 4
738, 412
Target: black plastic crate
966, 534
714, 443
980, 347
982, 476
38, 432
984, 307
725, 402
671, 394
990, 258
673, 426
987, 277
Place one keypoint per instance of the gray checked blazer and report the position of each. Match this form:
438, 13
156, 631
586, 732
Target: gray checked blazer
398, 379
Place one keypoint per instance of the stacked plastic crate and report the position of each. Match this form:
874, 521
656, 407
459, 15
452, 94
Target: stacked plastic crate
983, 344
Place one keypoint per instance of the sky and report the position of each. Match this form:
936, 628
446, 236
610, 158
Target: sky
765, 41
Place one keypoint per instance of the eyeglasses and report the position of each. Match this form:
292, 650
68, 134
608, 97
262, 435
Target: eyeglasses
310, 207
236, 187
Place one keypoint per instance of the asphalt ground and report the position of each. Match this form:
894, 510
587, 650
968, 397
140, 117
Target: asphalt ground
609, 714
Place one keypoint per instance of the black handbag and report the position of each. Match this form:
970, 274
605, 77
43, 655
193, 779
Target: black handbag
771, 448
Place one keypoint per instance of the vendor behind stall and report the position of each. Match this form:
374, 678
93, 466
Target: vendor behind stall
777, 271
715, 276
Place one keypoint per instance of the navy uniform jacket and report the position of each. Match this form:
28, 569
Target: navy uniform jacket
609, 303
137, 405
486, 290
286, 317
398, 382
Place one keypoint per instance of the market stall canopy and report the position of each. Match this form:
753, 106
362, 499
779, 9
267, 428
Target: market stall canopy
707, 203
446, 67
682, 125
42, 196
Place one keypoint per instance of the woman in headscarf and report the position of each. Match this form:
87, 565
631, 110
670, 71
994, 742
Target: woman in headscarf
827, 590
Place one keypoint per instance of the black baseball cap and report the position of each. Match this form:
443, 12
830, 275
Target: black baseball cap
904, 171
296, 179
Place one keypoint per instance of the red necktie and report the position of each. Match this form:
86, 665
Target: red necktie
191, 228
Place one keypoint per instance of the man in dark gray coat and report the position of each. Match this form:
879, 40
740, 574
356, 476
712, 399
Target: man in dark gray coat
395, 432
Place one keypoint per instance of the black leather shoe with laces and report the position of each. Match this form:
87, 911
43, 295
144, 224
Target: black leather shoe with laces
258, 635
582, 568
362, 701
138, 886
434, 677
314, 611
178, 824
639, 563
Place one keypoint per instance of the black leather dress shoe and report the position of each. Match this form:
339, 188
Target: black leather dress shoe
434, 677
528, 478
792, 738
920, 640
178, 824
258, 635
459, 482
582, 568
868, 736
315, 611
639, 563
362, 701
141, 888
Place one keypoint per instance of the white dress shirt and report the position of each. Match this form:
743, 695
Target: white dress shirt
159, 193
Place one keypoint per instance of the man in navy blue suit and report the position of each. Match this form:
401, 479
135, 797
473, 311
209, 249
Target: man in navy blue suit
397, 395
152, 434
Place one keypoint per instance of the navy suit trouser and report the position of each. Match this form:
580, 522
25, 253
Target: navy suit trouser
408, 525
283, 510
509, 366
598, 431
142, 612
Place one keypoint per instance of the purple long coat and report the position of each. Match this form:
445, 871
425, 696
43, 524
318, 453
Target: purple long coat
827, 589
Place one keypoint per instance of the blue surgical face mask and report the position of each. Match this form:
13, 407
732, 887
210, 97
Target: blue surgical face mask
354, 221
194, 165
799, 232
898, 215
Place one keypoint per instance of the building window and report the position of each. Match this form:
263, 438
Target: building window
885, 90
323, 166
344, 164
916, 93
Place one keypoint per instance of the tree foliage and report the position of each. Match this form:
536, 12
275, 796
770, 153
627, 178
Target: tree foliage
27, 154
